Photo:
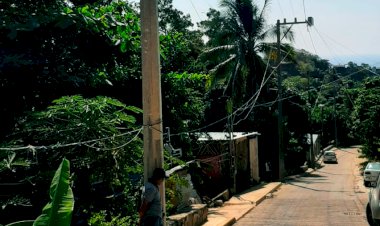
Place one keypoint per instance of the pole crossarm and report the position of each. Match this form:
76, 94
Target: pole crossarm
309, 22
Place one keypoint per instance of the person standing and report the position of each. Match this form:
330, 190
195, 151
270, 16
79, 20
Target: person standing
268, 170
150, 211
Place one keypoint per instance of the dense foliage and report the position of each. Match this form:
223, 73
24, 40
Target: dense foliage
366, 117
100, 138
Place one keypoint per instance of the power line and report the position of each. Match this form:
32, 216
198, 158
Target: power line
243, 107
196, 11
294, 15
138, 131
271, 102
326, 44
279, 5
58, 145
340, 44
316, 102
261, 86
121, 146
304, 8
291, 5
312, 42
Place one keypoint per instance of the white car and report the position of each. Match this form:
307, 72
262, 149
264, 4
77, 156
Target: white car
373, 206
371, 173
330, 156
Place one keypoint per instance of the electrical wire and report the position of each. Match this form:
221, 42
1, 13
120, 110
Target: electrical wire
54, 146
233, 113
312, 41
121, 146
304, 8
261, 86
138, 131
279, 5
326, 44
196, 11
340, 44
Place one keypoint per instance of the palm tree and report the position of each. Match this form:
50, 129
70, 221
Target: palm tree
237, 41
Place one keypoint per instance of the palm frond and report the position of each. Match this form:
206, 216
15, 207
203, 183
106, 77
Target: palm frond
266, 4
228, 4
245, 13
269, 33
287, 33
223, 64
234, 76
217, 49
288, 51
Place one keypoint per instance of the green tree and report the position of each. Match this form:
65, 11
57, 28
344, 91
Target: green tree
180, 43
237, 38
55, 49
366, 118
100, 138
184, 105
171, 19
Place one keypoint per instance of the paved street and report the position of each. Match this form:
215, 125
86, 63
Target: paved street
331, 195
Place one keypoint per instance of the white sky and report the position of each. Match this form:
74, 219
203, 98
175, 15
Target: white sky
344, 30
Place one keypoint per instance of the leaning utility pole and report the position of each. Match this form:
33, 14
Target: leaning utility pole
151, 87
281, 165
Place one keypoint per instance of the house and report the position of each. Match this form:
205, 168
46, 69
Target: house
315, 145
232, 158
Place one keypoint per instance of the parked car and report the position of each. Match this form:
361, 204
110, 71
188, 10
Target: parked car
330, 156
373, 206
371, 173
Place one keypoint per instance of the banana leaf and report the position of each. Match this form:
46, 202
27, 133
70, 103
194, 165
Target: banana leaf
59, 210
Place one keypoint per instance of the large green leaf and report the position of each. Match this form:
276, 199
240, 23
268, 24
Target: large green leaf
59, 210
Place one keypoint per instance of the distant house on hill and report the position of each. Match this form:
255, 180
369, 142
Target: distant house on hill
341, 69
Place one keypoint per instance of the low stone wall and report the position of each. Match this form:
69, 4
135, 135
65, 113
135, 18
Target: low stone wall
196, 217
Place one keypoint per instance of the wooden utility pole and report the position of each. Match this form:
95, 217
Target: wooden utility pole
281, 165
151, 87
336, 142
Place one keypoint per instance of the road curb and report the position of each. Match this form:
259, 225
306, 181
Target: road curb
270, 191
230, 222
249, 210
244, 208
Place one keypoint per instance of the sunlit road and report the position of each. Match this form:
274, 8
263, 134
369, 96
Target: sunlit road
331, 195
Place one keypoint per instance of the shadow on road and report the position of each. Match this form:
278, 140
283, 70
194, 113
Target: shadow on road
306, 179
319, 190
333, 173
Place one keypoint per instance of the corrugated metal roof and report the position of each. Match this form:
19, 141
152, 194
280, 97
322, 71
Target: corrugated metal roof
223, 135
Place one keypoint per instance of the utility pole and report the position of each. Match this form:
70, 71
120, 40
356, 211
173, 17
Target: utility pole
335, 128
233, 169
281, 165
151, 88
312, 153
321, 106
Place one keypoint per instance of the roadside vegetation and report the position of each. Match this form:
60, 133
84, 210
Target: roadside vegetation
70, 88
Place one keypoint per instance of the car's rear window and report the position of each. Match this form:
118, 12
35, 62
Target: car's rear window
329, 153
373, 166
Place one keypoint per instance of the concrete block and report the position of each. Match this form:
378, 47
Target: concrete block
196, 217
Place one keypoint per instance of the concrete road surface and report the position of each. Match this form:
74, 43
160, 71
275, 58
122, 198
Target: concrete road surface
332, 195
